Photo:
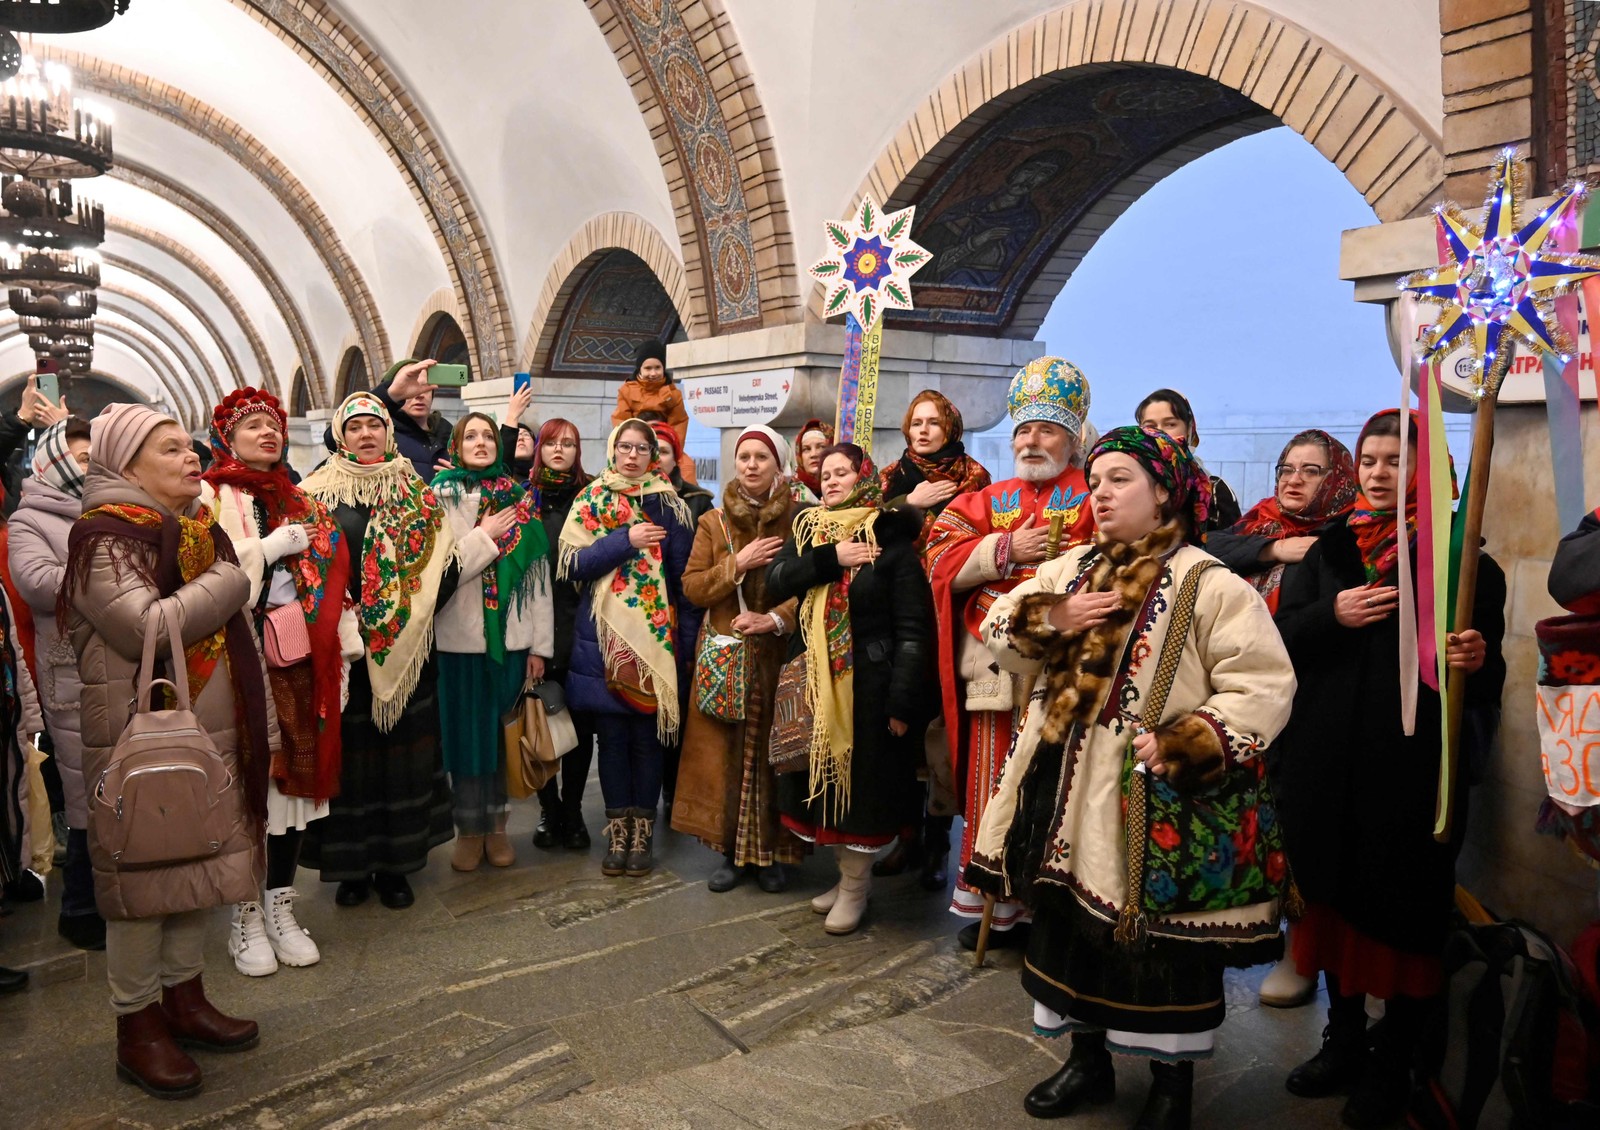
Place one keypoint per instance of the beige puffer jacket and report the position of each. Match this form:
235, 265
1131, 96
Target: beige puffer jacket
107, 627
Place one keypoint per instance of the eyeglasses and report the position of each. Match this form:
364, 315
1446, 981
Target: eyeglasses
563, 444
1309, 471
632, 448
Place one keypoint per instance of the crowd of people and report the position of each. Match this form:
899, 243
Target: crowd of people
1164, 724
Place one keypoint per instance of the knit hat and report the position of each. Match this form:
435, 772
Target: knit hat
775, 443
117, 433
646, 351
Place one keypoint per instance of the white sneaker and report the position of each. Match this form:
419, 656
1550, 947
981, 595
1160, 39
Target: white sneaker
247, 942
1284, 987
290, 940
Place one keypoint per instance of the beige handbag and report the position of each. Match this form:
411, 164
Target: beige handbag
535, 734
160, 800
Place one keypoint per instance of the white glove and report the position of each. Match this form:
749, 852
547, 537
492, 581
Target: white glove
281, 542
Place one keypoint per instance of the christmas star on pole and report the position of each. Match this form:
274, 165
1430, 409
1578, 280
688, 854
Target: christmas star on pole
871, 258
1499, 285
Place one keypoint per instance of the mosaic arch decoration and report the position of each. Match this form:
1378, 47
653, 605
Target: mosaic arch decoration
699, 134
344, 54
995, 213
618, 305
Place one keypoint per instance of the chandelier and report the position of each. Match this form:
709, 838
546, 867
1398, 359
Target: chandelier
55, 303
58, 17
46, 133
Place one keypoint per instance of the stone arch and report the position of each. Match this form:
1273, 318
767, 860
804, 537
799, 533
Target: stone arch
183, 299
170, 343
299, 394
613, 230
441, 301
315, 31
157, 184
1389, 155
172, 328
355, 375
203, 270
94, 75
716, 152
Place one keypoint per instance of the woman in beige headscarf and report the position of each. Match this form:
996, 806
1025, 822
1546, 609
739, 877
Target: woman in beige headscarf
393, 803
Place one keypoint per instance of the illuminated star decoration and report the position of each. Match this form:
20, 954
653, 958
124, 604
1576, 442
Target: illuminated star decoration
870, 263
1499, 285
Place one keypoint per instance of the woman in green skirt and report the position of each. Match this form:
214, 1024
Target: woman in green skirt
494, 635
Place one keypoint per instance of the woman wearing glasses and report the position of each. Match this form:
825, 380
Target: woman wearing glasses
1316, 487
557, 477
626, 541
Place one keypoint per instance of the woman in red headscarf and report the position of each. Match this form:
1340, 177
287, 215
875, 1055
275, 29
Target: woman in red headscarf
1357, 794
298, 566
814, 437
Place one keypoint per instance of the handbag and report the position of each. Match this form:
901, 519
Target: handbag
285, 635
1212, 850
722, 663
627, 684
789, 748
535, 733
159, 801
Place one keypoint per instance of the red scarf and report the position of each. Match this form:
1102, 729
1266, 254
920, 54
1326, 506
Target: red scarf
322, 580
1335, 496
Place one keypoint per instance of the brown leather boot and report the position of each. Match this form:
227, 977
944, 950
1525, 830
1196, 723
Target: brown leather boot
147, 1057
195, 1022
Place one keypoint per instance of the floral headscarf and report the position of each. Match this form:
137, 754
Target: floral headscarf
1335, 495
825, 629
806, 486
511, 578
635, 624
1168, 463
403, 556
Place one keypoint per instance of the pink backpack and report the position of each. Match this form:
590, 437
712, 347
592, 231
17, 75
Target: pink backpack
159, 802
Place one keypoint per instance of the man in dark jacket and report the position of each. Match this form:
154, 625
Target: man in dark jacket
421, 434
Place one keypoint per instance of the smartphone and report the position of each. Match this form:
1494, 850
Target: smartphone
50, 387
448, 376
520, 381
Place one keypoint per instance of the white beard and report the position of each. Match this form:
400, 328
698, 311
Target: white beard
1038, 472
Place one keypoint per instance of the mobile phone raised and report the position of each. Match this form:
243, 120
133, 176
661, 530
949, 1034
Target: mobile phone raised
448, 376
49, 385
520, 381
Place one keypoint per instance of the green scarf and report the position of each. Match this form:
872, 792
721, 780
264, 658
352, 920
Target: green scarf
511, 579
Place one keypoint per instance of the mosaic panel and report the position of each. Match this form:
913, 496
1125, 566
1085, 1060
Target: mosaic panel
617, 306
996, 212
700, 135
1583, 124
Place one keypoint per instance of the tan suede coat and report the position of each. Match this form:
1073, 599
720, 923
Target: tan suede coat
107, 624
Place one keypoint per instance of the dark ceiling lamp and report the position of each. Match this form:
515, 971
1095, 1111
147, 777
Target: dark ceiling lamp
58, 17
63, 302
46, 133
44, 215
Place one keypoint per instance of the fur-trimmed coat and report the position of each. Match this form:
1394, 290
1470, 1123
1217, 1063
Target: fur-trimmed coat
706, 804
1229, 699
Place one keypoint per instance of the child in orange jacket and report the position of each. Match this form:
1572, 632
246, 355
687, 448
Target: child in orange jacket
650, 389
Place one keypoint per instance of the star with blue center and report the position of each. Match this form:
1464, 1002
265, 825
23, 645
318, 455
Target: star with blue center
1499, 285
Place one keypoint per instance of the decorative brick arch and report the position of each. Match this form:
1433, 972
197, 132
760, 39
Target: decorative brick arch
1389, 155
158, 333
157, 184
699, 100
182, 297
171, 324
94, 75
441, 301
145, 348
354, 68
210, 277
628, 231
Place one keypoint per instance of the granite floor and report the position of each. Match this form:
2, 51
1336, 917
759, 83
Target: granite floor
545, 995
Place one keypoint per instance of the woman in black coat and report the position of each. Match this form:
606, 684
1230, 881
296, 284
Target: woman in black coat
866, 627
556, 477
1357, 796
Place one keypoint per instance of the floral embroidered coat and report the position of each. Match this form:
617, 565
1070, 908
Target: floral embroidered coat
1234, 679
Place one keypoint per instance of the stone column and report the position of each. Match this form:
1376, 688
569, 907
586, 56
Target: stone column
782, 375
306, 449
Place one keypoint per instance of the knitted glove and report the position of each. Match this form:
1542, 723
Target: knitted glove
286, 539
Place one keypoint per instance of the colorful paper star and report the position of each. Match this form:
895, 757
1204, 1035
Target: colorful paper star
1499, 283
870, 263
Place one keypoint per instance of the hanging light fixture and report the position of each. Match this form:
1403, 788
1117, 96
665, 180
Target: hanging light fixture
58, 17
46, 133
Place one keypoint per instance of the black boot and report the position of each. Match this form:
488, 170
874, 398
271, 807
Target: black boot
1337, 1065
936, 853
552, 828
1086, 1077
1171, 1096
1382, 1092
574, 837
618, 833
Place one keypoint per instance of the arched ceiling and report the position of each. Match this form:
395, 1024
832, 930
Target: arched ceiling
299, 175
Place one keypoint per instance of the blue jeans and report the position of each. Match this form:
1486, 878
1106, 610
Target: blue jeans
630, 760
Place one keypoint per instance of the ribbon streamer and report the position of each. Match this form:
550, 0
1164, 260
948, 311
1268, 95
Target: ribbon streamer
844, 422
